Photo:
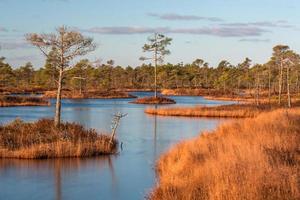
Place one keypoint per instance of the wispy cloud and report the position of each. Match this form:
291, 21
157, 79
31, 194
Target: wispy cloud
2, 29
269, 24
178, 17
223, 31
14, 45
255, 40
126, 30
219, 31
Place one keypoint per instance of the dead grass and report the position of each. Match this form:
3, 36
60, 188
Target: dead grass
21, 90
230, 111
7, 101
154, 100
42, 140
198, 92
93, 94
243, 95
251, 159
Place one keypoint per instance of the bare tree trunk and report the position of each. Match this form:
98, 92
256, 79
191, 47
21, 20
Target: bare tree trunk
155, 67
288, 85
115, 124
113, 133
58, 99
280, 82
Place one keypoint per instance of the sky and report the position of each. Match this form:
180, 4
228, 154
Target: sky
212, 30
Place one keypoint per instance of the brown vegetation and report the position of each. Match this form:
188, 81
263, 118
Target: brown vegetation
207, 92
215, 94
21, 90
154, 100
185, 92
233, 111
7, 101
67, 94
43, 140
257, 158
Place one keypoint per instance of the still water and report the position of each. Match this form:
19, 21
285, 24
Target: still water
128, 175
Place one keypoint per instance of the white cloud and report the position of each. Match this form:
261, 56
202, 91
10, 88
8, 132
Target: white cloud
220, 31
177, 17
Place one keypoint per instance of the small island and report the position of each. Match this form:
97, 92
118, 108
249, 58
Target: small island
154, 100
94, 94
42, 140
9, 101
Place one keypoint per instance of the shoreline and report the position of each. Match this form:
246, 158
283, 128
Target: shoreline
91, 95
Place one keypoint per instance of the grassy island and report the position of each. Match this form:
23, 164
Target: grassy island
42, 139
154, 100
255, 158
9, 101
67, 94
223, 111
242, 110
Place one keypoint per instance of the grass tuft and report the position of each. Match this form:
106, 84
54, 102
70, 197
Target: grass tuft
42, 139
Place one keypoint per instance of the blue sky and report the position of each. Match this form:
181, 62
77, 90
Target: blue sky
209, 29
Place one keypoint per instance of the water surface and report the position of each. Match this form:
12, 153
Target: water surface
128, 175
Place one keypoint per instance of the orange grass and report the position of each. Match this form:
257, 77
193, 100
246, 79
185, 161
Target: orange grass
42, 140
231, 111
7, 101
198, 92
154, 100
250, 159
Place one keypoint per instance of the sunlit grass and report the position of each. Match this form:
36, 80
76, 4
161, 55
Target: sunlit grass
257, 158
42, 139
230, 111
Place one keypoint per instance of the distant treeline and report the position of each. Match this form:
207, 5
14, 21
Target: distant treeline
281, 70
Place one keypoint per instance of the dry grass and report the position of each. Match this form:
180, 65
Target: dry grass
245, 95
231, 111
7, 101
251, 159
42, 140
198, 92
21, 90
154, 100
67, 94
